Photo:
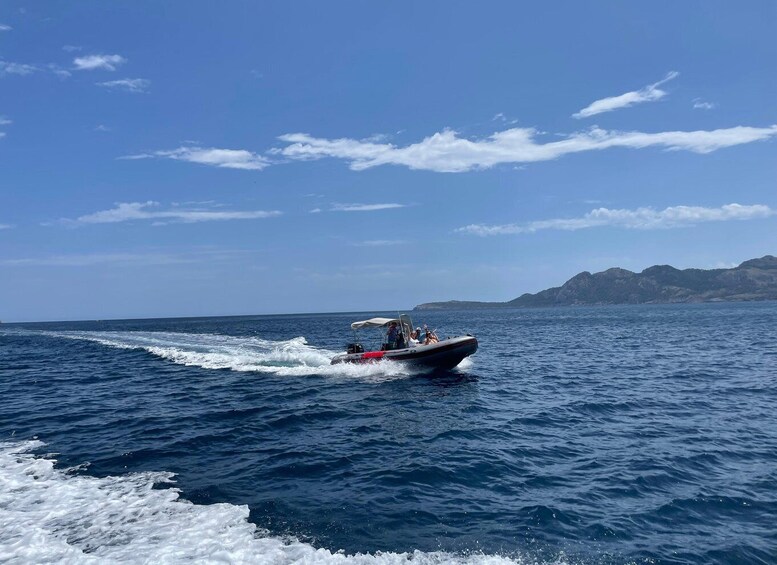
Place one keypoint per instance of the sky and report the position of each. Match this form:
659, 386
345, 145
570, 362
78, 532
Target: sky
193, 158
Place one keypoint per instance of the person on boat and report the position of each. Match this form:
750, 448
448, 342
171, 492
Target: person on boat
401, 341
393, 334
415, 337
431, 337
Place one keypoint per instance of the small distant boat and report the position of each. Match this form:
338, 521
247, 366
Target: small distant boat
398, 345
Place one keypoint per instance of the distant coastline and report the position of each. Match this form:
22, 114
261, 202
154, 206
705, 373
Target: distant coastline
753, 280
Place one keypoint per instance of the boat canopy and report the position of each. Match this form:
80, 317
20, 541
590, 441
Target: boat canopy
373, 323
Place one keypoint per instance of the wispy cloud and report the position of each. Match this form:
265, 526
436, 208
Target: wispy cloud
149, 211
5, 27
9, 68
447, 152
127, 84
94, 62
650, 93
59, 71
699, 104
5, 226
102, 127
208, 254
4, 122
92, 259
501, 117
364, 207
380, 242
24, 69
224, 158
640, 218
71, 48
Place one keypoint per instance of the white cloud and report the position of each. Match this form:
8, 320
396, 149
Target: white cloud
93, 62
364, 207
127, 84
102, 127
4, 122
57, 70
23, 69
71, 48
5, 226
130, 259
90, 259
380, 242
650, 93
139, 211
446, 152
225, 158
5, 27
699, 104
7, 68
641, 218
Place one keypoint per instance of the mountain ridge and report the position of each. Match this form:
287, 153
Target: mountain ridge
752, 280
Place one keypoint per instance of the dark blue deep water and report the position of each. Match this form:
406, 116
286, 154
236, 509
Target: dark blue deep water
639, 434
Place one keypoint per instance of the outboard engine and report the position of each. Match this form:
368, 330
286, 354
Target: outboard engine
355, 348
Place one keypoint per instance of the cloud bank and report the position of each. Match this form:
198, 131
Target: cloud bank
650, 93
449, 153
148, 211
640, 218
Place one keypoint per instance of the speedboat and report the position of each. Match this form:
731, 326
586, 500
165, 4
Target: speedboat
398, 344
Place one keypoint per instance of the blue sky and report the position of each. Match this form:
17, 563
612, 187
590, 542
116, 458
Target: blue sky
250, 158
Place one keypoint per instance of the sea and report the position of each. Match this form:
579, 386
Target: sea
590, 435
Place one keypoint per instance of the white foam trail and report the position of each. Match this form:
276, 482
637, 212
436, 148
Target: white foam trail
50, 516
293, 357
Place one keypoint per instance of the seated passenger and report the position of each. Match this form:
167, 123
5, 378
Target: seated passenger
391, 337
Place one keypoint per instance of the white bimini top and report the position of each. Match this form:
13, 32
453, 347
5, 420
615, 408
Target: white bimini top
373, 323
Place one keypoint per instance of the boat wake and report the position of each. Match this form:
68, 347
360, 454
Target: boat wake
293, 357
52, 515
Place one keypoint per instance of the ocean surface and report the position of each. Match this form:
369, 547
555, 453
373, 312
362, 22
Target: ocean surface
603, 435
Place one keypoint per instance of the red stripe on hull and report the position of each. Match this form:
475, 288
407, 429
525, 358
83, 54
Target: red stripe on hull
373, 355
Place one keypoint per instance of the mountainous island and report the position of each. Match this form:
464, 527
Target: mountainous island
755, 279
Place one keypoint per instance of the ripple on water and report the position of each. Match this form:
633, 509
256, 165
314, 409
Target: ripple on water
601, 435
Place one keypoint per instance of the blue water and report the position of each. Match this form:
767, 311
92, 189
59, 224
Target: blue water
639, 434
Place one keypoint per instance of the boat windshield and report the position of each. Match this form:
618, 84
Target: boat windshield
407, 326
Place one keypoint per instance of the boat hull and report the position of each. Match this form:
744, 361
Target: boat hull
445, 354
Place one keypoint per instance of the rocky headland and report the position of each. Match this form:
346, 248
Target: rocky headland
753, 280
